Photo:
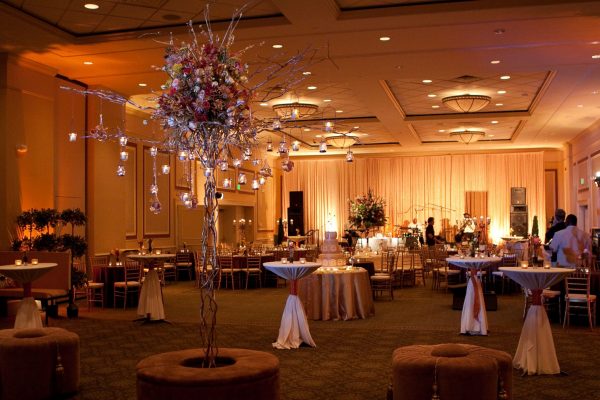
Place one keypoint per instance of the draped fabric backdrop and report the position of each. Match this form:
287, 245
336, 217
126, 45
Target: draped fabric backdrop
420, 187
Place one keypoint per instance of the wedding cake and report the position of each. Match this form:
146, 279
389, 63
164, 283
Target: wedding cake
331, 250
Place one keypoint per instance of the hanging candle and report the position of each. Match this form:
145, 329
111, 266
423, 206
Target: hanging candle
223, 165
276, 125
123, 140
255, 184
208, 172
155, 206
245, 157
242, 178
328, 126
184, 196
269, 145
227, 183
72, 136
262, 180
165, 168
153, 189
256, 161
120, 170
153, 151
349, 156
237, 162
283, 146
323, 146
183, 155
296, 145
124, 155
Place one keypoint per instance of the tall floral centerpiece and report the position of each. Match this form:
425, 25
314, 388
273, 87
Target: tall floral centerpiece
366, 212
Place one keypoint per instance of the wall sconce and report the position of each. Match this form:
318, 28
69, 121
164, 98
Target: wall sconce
21, 149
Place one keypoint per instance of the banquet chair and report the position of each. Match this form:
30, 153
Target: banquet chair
578, 297
94, 290
405, 271
227, 270
253, 264
131, 282
441, 272
382, 281
418, 268
169, 271
183, 262
508, 260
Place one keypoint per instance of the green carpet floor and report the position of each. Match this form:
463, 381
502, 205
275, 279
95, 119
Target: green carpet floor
352, 359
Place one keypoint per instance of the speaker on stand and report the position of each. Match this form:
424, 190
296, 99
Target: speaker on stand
295, 213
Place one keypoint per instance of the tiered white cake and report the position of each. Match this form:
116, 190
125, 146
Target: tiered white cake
331, 252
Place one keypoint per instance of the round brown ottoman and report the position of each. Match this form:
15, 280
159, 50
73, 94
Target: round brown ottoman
460, 372
38, 363
250, 375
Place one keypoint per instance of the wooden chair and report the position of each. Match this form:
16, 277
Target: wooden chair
226, 268
441, 272
253, 267
382, 280
405, 272
578, 297
508, 260
94, 290
169, 271
130, 284
183, 262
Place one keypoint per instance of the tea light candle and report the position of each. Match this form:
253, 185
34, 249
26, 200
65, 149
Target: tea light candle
158, 251
284, 260
19, 262
547, 264
524, 264
302, 260
34, 261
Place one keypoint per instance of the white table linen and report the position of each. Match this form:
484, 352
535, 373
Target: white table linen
294, 325
150, 304
536, 353
473, 319
28, 315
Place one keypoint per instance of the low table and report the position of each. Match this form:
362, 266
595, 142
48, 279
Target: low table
536, 353
28, 315
294, 326
474, 317
150, 305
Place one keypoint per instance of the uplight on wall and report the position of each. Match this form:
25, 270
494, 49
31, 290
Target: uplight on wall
21, 149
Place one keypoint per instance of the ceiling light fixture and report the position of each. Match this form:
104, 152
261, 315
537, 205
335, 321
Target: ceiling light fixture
596, 56
306, 73
296, 110
466, 103
339, 111
264, 104
432, 95
501, 92
142, 84
435, 106
505, 77
499, 104
88, 63
495, 62
494, 122
467, 136
327, 101
277, 46
312, 88
341, 140
385, 38
91, 6
427, 81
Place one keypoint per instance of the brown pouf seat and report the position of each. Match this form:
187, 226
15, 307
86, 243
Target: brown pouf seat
459, 372
40, 363
248, 375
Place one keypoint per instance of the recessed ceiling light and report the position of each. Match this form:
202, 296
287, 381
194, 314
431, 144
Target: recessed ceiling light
339, 111
278, 46
142, 84
505, 77
595, 92
499, 104
494, 122
91, 6
595, 42
306, 73
580, 105
441, 130
356, 127
432, 95
501, 91
306, 129
327, 101
596, 56
318, 135
312, 88
490, 135
88, 63
426, 81
495, 62
435, 106
385, 38
264, 104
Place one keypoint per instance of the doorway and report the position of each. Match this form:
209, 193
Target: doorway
582, 217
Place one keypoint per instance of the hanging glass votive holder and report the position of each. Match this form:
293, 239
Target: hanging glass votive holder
323, 146
262, 180
269, 145
182, 155
223, 165
226, 183
245, 157
153, 151
184, 196
153, 189
123, 155
123, 140
120, 170
242, 178
349, 156
72, 136
165, 168
255, 184
295, 145
237, 162
208, 172
256, 161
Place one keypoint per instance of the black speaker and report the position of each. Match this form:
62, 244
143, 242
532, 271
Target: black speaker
297, 200
519, 224
518, 196
515, 208
295, 221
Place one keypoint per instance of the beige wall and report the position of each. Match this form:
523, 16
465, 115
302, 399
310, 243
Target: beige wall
556, 180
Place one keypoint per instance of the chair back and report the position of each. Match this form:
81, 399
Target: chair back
509, 260
183, 257
253, 262
388, 261
225, 262
132, 271
578, 283
99, 260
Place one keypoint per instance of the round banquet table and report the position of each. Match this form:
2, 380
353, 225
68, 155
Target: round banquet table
27, 315
536, 353
150, 304
296, 239
333, 293
376, 259
473, 319
294, 326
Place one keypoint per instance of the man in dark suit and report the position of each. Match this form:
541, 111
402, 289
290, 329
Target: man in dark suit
559, 224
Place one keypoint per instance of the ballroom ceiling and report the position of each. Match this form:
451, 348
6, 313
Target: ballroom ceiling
537, 60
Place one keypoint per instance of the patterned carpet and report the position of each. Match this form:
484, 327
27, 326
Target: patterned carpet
352, 360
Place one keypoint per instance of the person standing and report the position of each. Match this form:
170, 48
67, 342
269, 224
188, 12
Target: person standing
558, 225
571, 244
430, 232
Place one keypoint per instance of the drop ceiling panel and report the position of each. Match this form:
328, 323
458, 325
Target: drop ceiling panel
521, 90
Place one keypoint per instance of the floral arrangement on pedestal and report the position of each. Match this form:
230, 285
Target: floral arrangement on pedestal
366, 212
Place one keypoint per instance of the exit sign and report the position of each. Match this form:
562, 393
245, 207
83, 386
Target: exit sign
239, 187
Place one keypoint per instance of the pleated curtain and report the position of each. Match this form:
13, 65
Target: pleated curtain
443, 187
